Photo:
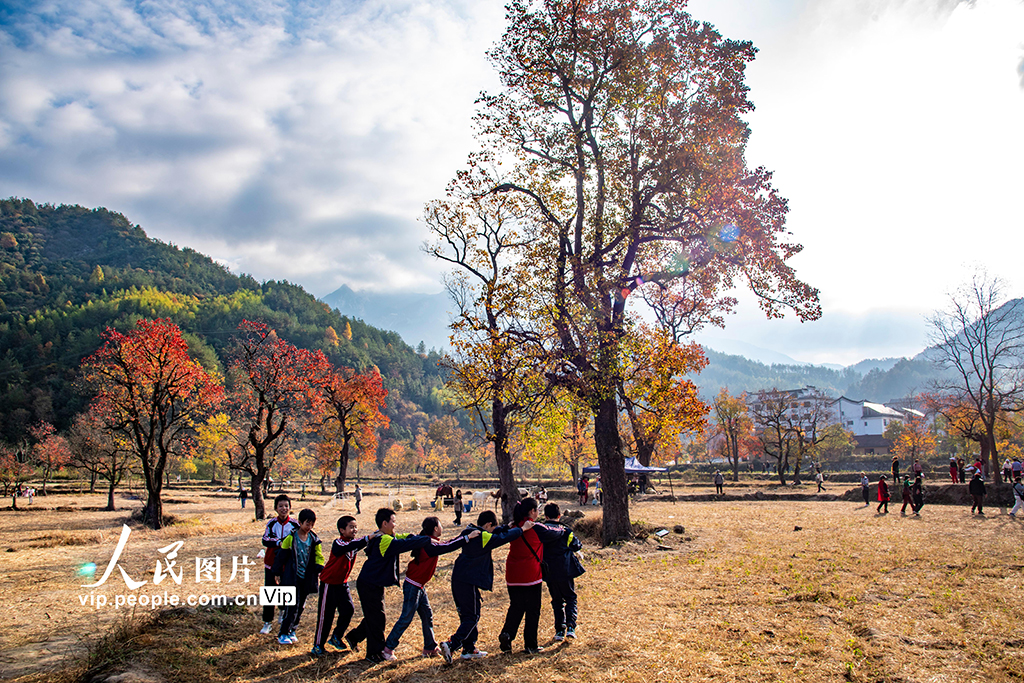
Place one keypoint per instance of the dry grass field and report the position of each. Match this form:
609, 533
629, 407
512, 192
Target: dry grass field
740, 595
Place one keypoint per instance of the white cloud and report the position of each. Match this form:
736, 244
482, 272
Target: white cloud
300, 140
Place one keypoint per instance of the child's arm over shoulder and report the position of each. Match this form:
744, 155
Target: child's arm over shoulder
435, 549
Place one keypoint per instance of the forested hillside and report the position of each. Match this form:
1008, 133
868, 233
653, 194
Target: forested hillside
67, 272
739, 374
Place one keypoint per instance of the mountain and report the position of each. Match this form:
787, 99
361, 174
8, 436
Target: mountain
884, 381
735, 347
417, 317
68, 272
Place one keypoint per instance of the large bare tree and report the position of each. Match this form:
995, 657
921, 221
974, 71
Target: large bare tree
979, 339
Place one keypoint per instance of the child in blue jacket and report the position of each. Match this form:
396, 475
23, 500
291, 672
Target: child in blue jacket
563, 568
298, 563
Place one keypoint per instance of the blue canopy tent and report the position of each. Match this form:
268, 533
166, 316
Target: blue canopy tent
634, 466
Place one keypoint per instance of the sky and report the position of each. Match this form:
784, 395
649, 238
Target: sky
300, 140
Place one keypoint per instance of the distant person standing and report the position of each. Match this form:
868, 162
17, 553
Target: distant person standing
459, 508
243, 495
962, 469
865, 488
820, 481
977, 490
895, 467
954, 470
359, 499
719, 483
1015, 468
918, 471
883, 495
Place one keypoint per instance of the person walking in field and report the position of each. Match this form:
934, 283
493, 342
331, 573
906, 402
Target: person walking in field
243, 495
1015, 468
359, 499
883, 496
335, 595
977, 490
524, 577
298, 562
719, 483
414, 589
563, 569
819, 478
380, 570
1018, 497
917, 490
908, 497
472, 572
865, 488
276, 531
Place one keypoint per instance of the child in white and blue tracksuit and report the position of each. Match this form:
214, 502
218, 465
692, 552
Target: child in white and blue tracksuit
562, 569
298, 563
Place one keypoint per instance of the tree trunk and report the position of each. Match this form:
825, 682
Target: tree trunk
990, 436
258, 501
508, 490
92, 482
339, 481
734, 455
153, 515
644, 450
615, 525
110, 496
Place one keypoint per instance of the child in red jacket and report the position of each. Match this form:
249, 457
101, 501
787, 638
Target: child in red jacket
414, 589
523, 577
334, 592
883, 495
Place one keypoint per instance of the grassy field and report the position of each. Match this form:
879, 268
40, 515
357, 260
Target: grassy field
741, 594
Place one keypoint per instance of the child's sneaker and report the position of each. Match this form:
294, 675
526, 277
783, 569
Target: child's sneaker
559, 635
570, 633
283, 639
534, 650
353, 644
292, 637
336, 642
317, 651
446, 652
267, 628
389, 655
475, 654
432, 653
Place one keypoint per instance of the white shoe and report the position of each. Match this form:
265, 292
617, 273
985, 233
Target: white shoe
267, 628
476, 654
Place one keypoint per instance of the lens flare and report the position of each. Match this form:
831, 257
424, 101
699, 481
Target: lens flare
729, 233
87, 569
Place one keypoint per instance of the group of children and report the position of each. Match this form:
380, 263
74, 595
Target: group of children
539, 552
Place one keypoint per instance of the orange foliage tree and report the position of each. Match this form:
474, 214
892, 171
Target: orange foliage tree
149, 391
732, 422
351, 406
13, 470
274, 392
660, 402
624, 120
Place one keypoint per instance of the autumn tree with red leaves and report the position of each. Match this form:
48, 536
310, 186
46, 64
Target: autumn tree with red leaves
274, 394
50, 452
351, 415
149, 391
